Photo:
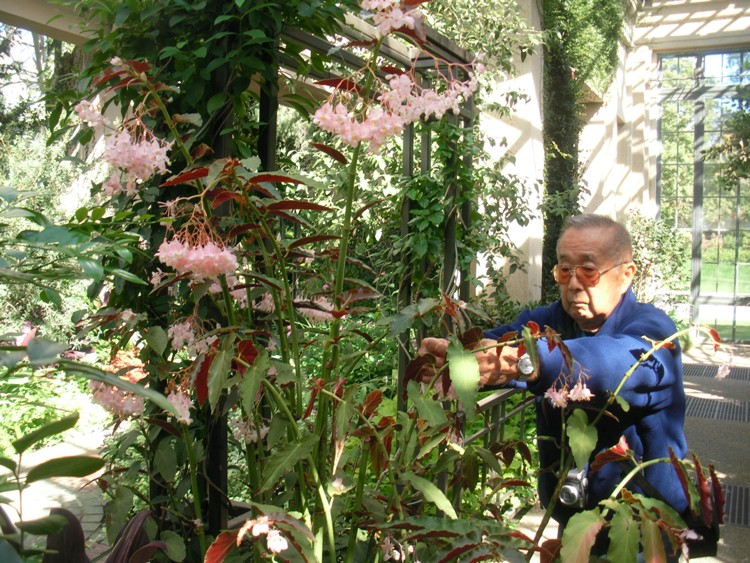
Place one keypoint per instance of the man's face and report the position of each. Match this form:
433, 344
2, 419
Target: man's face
591, 306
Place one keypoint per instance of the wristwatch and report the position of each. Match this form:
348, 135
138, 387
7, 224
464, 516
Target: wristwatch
525, 368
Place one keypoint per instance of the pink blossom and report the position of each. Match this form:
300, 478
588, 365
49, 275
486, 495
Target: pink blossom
200, 262
181, 404
580, 392
558, 397
245, 431
138, 159
275, 541
266, 304
119, 402
90, 113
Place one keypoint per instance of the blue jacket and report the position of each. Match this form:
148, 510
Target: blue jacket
655, 393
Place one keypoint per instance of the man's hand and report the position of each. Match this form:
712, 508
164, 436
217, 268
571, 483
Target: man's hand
497, 364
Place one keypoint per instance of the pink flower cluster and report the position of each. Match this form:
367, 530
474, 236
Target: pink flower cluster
261, 525
117, 401
403, 103
390, 16
374, 127
138, 159
245, 431
560, 397
182, 405
200, 262
90, 114
183, 335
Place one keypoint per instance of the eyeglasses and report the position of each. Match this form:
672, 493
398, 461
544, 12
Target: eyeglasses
587, 275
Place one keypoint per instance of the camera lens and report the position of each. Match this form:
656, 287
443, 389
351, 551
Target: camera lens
569, 495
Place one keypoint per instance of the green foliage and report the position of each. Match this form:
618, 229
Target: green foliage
581, 49
662, 257
732, 150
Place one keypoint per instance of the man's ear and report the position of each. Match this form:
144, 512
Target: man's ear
628, 272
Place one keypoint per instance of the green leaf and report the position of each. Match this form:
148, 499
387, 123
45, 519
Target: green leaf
91, 268
165, 460
117, 512
432, 494
8, 464
653, 543
428, 409
50, 524
49, 429
8, 554
49, 295
175, 545
464, 375
156, 337
624, 405
218, 373
70, 466
42, 351
252, 381
285, 459
581, 437
625, 535
579, 536
127, 276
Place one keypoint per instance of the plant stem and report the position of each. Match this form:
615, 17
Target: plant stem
197, 501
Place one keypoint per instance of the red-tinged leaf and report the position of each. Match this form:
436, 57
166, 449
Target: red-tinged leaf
514, 483
247, 352
362, 43
718, 494
186, 177
241, 229
340, 84
108, 75
289, 204
716, 338
275, 178
361, 210
163, 424
620, 452
310, 240
549, 551
372, 402
219, 196
456, 553
521, 349
330, 151
201, 379
704, 490
392, 70
222, 546
681, 474
525, 452
471, 338
355, 295
291, 218
507, 337
414, 3
534, 328
579, 536
316, 388
252, 186
417, 34
138, 66
201, 150
124, 83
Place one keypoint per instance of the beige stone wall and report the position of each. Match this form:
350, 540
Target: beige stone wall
619, 144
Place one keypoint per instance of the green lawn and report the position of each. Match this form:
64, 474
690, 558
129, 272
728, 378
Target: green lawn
719, 278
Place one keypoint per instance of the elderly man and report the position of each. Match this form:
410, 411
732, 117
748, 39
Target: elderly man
604, 327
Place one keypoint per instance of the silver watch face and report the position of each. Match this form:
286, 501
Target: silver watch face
525, 366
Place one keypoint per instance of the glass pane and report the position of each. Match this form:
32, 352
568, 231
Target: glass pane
677, 71
743, 279
685, 182
711, 214
728, 221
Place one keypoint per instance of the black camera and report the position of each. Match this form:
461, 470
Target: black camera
574, 492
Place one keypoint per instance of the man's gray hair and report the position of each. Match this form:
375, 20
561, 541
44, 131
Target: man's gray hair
622, 247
